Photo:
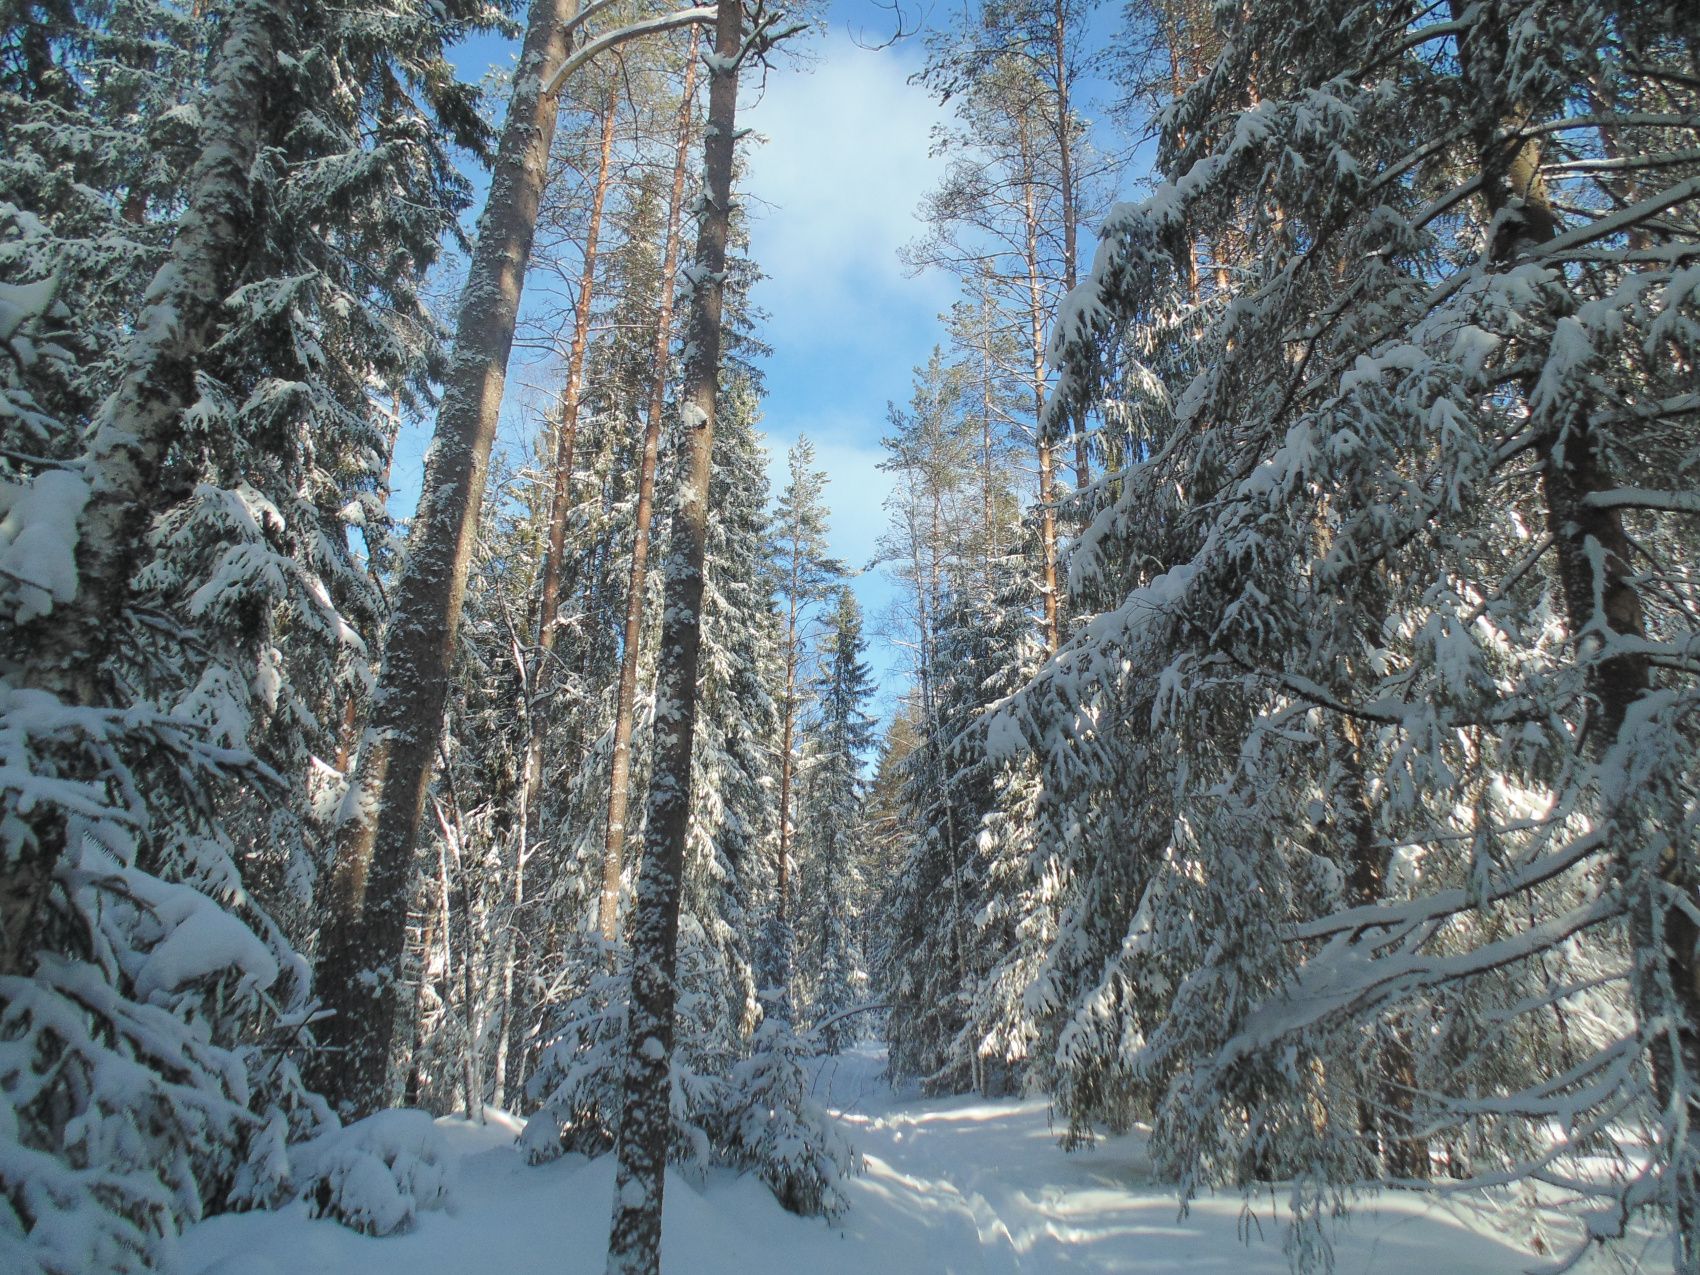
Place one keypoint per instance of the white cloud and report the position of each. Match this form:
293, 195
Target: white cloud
844, 167
833, 195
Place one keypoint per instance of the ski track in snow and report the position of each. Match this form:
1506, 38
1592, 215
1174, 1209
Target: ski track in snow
960, 1186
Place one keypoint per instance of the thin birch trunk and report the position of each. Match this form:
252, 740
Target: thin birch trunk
445, 905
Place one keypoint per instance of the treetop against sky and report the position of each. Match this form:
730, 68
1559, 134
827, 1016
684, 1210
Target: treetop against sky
845, 160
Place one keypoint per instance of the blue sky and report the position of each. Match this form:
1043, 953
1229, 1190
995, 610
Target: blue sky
843, 161
833, 191
832, 188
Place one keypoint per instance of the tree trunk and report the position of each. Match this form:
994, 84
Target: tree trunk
566, 438
619, 788
634, 1243
360, 948
128, 461
1065, 177
787, 743
1603, 608
1047, 483
989, 546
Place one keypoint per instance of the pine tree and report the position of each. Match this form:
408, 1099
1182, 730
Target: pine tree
1021, 60
365, 938
634, 1244
1003, 220
620, 778
803, 573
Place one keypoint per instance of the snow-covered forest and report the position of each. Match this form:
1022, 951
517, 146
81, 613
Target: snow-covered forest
1245, 810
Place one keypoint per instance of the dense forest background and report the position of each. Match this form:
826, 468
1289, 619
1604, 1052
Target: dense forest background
1294, 560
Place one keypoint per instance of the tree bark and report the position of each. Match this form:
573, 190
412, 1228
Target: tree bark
360, 948
1065, 176
619, 790
1041, 437
1604, 611
127, 463
787, 743
566, 439
634, 1244
989, 548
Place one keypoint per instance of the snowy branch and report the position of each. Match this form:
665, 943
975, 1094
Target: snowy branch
699, 16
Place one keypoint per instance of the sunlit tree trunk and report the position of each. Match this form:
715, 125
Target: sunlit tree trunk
1041, 438
1065, 177
366, 900
566, 438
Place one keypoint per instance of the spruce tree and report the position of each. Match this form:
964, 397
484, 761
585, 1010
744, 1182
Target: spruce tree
182, 610
831, 825
1386, 684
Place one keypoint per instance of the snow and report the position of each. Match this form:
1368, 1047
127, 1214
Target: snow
376, 1175
203, 940
38, 540
951, 1185
22, 304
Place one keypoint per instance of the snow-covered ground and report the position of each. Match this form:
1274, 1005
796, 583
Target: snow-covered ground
957, 1185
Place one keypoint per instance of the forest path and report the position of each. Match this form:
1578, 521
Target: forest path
957, 1186
987, 1189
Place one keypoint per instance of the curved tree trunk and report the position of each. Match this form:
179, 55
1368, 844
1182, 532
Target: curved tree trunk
371, 884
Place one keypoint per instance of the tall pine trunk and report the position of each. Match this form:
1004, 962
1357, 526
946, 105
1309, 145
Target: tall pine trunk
1041, 438
371, 884
620, 779
566, 439
1065, 178
634, 1244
